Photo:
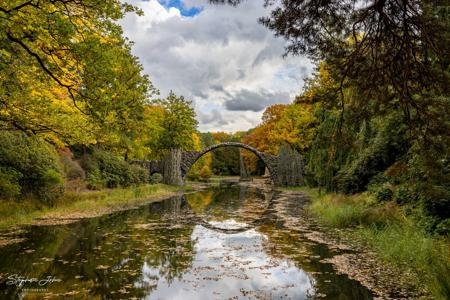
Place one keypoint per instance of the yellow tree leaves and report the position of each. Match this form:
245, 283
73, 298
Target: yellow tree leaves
67, 73
296, 127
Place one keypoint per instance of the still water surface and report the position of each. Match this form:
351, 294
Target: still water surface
222, 243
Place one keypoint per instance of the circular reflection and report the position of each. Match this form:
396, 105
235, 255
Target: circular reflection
230, 210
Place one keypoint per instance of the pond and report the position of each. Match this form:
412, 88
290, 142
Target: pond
222, 243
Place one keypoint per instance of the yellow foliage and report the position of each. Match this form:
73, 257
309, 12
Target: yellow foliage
205, 172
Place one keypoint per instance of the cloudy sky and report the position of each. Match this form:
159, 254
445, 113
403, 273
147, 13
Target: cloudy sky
218, 56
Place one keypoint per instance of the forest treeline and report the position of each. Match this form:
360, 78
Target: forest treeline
75, 105
374, 116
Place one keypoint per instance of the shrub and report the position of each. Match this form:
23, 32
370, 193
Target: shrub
435, 200
9, 185
52, 185
155, 178
32, 163
95, 180
193, 174
405, 194
108, 170
383, 194
443, 228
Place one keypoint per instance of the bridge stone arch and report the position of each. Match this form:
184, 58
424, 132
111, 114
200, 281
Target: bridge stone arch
188, 158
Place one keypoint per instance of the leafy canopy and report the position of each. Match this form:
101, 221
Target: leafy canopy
64, 67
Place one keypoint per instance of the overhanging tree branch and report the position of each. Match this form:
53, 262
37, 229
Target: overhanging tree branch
68, 87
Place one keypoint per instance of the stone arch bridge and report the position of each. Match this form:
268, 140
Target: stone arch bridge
178, 163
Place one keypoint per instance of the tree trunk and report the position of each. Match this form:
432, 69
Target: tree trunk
172, 168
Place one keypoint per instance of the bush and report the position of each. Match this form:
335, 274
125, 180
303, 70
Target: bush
53, 185
435, 201
405, 194
383, 193
443, 228
95, 180
9, 185
32, 164
156, 178
193, 174
108, 170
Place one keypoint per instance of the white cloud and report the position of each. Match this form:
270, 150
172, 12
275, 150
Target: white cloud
231, 66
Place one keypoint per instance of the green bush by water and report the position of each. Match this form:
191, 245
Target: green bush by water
29, 167
104, 169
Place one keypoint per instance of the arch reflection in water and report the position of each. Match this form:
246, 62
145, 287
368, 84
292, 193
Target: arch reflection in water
162, 251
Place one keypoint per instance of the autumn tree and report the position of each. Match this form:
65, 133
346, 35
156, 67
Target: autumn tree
65, 64
262, 137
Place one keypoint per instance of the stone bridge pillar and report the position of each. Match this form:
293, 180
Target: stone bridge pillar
290, 167
172, 168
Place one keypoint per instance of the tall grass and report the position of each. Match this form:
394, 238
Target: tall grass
395, 239
343, 211
414, 251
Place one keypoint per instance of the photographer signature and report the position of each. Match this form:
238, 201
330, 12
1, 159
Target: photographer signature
20, 281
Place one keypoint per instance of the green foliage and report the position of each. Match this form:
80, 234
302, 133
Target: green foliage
405, 194
67, 72
329, 151
394, 238
53, 185
384, 194
9, 183
95, 179
225, 160
178, 123
443, 227
377, 154
105, 169
32, 164
415, 252
155, 178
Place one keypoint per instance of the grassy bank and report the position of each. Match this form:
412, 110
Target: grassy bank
395, 238
80, 205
